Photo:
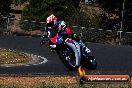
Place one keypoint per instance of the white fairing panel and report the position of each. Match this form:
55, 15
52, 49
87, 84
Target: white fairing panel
76, 48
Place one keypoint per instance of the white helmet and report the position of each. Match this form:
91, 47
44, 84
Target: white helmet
51, 21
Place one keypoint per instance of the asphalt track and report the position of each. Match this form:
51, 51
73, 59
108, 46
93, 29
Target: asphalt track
111, 59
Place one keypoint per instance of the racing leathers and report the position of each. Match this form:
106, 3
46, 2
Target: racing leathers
62, 29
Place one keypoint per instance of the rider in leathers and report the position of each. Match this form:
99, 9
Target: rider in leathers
59, 27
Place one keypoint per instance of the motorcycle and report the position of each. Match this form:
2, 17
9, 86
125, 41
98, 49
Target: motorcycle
72, 54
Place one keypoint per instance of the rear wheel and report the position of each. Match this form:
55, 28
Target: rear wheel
89, 62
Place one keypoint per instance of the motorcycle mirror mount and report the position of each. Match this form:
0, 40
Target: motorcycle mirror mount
86, 43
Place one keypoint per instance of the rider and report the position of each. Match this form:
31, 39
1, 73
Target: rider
55, 27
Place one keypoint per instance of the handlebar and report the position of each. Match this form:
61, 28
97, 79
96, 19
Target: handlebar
44, 40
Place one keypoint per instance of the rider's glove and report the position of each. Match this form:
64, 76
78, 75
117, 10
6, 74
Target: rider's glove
74, 35
53, 46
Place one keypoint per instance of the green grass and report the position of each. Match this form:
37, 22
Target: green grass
9, 86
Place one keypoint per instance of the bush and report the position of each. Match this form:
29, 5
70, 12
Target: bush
39, 10
5, 6
25, 25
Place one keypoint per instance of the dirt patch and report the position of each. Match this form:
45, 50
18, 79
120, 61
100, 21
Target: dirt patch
13, 57
10, 58
30, 82
47, 82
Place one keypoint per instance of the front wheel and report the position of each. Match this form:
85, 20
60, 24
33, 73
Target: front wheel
67, 56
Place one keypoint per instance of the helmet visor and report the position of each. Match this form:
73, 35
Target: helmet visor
51, 24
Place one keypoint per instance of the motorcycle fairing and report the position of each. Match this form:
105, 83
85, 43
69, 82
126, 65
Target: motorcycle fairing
68, 30
54, 39
76, 48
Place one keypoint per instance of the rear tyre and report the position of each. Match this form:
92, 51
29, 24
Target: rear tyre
89, 62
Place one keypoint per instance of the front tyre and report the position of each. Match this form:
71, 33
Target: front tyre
67, 56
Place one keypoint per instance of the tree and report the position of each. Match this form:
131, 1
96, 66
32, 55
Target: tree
39, 9
111, 5
128, 16
116, 7
75, 3
5, 6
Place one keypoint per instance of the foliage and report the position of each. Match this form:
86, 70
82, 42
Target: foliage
4, 11
75, 2
5, 6
39, 10
116, 7
78, 19
110, 5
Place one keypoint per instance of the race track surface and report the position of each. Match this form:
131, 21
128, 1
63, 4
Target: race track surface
111, 59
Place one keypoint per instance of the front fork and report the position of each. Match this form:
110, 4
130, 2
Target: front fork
84, 48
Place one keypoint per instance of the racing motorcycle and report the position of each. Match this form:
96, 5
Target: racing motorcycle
72, 54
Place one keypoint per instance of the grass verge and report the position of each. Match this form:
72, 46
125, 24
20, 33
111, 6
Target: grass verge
54, 82
8, 56
43, 85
